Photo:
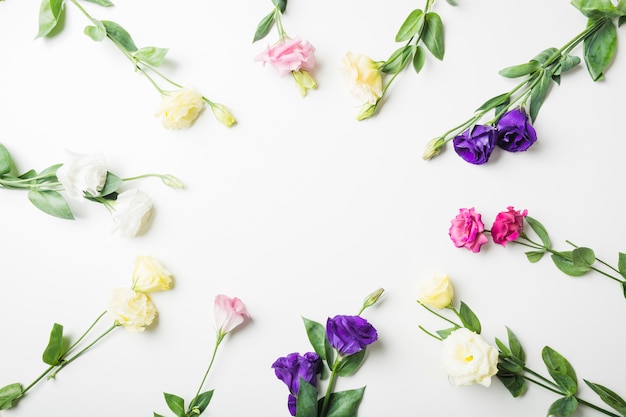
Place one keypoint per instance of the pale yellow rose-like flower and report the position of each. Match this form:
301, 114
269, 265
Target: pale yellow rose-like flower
131, 309
436, 291
363, 77
150, 275
468, 359
180, 108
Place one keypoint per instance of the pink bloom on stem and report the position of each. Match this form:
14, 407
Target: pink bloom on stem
467, 230
508, 225
289, 55
229, 313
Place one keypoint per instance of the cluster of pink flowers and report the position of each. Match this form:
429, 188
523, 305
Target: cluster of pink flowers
467, 229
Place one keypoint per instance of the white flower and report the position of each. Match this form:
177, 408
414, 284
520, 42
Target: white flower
150, 275
180, 108
436, 292
363, 77
82, 173
132, 213
468, 359
133, 310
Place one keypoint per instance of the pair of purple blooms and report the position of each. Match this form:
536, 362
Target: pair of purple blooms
513, 133
346, 334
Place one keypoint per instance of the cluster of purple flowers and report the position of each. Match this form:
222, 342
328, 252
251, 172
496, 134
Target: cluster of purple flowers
513, 133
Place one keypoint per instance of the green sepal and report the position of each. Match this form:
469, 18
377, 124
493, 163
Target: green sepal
344, 403
281, 5
520, 70
398, 60
50, 13
446, 332
540, 231
563, 406
97, 32
51, 202
609, 397
54, 351
539, 93
200, 403
583, 258
419, 58
350, 364
534, 255
317, 336
151, 55
599, 48
119, 35
306, 400
515, 384
6, 162
621, 264
560, 369
469, 319
411, 26
103, 3
175, 403
432, 35
563, 261
499, 100
10, 393
264, 27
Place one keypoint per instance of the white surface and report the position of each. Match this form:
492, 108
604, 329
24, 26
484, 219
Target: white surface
300, 210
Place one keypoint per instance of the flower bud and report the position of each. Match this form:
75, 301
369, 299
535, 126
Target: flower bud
223, 115
371, 299
433, 148
305, 81
172, 181
366, 111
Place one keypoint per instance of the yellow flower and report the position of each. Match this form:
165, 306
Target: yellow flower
363, 77
180, 108
131, 309
150, 275
436, 292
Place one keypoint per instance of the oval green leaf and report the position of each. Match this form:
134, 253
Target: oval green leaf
51, 202
151, 55
264, 26
433, 35
54, 351
514, 383
317, 336
539, 230
418, 59
599, 49
49, 15
397, 60
469, 319
350, 364
96, 32
175, 403
306, 400
200, 403
609, 397
560, 369
10, 393
563, 261
6, 162
411, 26
345, 403
583, 258
563, 406
520, 70
120, 36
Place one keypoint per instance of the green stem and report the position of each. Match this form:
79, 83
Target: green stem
329, 389
599, 260
441, 316
279, 24
39, 378
220, 337
429, 333
85, 333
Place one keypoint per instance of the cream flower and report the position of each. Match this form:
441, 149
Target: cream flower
82, 173
468, 359
363, 77
150, 275
133, 310
132, 213
436, 292
180, 108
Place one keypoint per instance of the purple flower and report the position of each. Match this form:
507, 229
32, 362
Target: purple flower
515, 133
350, 334
475, 144
294, 366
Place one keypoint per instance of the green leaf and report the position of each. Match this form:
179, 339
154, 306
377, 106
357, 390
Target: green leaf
306, 400
433, 35
412, 25
120, 36
509, 367
10, 393
111, 184
157, 415
52, 169
539, 93
520, 70
468, 318
350, 364
563, 261
51, 202
97, 32
563, 406
505, 352
175, 403
599, 49
397, 60
446, 332
281, 5
49, 14
560, 370
452, 2
6, 162
609, 397
596, 8
514, 383
540, 231
345, 403
621, 21
493, 102
418, 59
583, 258
200, 403
264, 27
566, 63
317, 336
104, 3
151, 55
545, 55
534, 255
621, 264
516, 347
54, 351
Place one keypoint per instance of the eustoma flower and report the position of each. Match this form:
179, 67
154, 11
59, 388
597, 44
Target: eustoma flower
466, 230
475, 144
436, 292
350, 334
292, 368
508, 225
468, 359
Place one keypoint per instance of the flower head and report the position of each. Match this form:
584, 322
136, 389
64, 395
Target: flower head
515, 133
132, 309
350, 334
180, 108
468, 359
508, 225
466, 230
82, 173
293, 367
289, 55
229, 313
132, 213
475, 144
363, 77
436, 292
150, 275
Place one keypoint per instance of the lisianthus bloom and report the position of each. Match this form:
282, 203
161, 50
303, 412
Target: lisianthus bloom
436, 291
508, 225
289, 55
180, 108
515, 133
350, 334
150, 275
132, 213
291, 368
363, 77
466, 230
468, 359
132, 309
82, 173
229, 313
475, 144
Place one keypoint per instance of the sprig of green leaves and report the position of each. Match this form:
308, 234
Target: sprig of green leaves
271, 19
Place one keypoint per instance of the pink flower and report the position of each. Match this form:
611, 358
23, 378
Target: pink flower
467, 230
289, 55
229, 313
508, 225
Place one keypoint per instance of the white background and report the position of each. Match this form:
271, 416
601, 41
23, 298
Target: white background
300, 210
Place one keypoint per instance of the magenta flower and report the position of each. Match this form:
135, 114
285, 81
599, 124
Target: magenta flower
515, 133
350, 334
291, 368
229, 313
466, 230
289, 55
508, 225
